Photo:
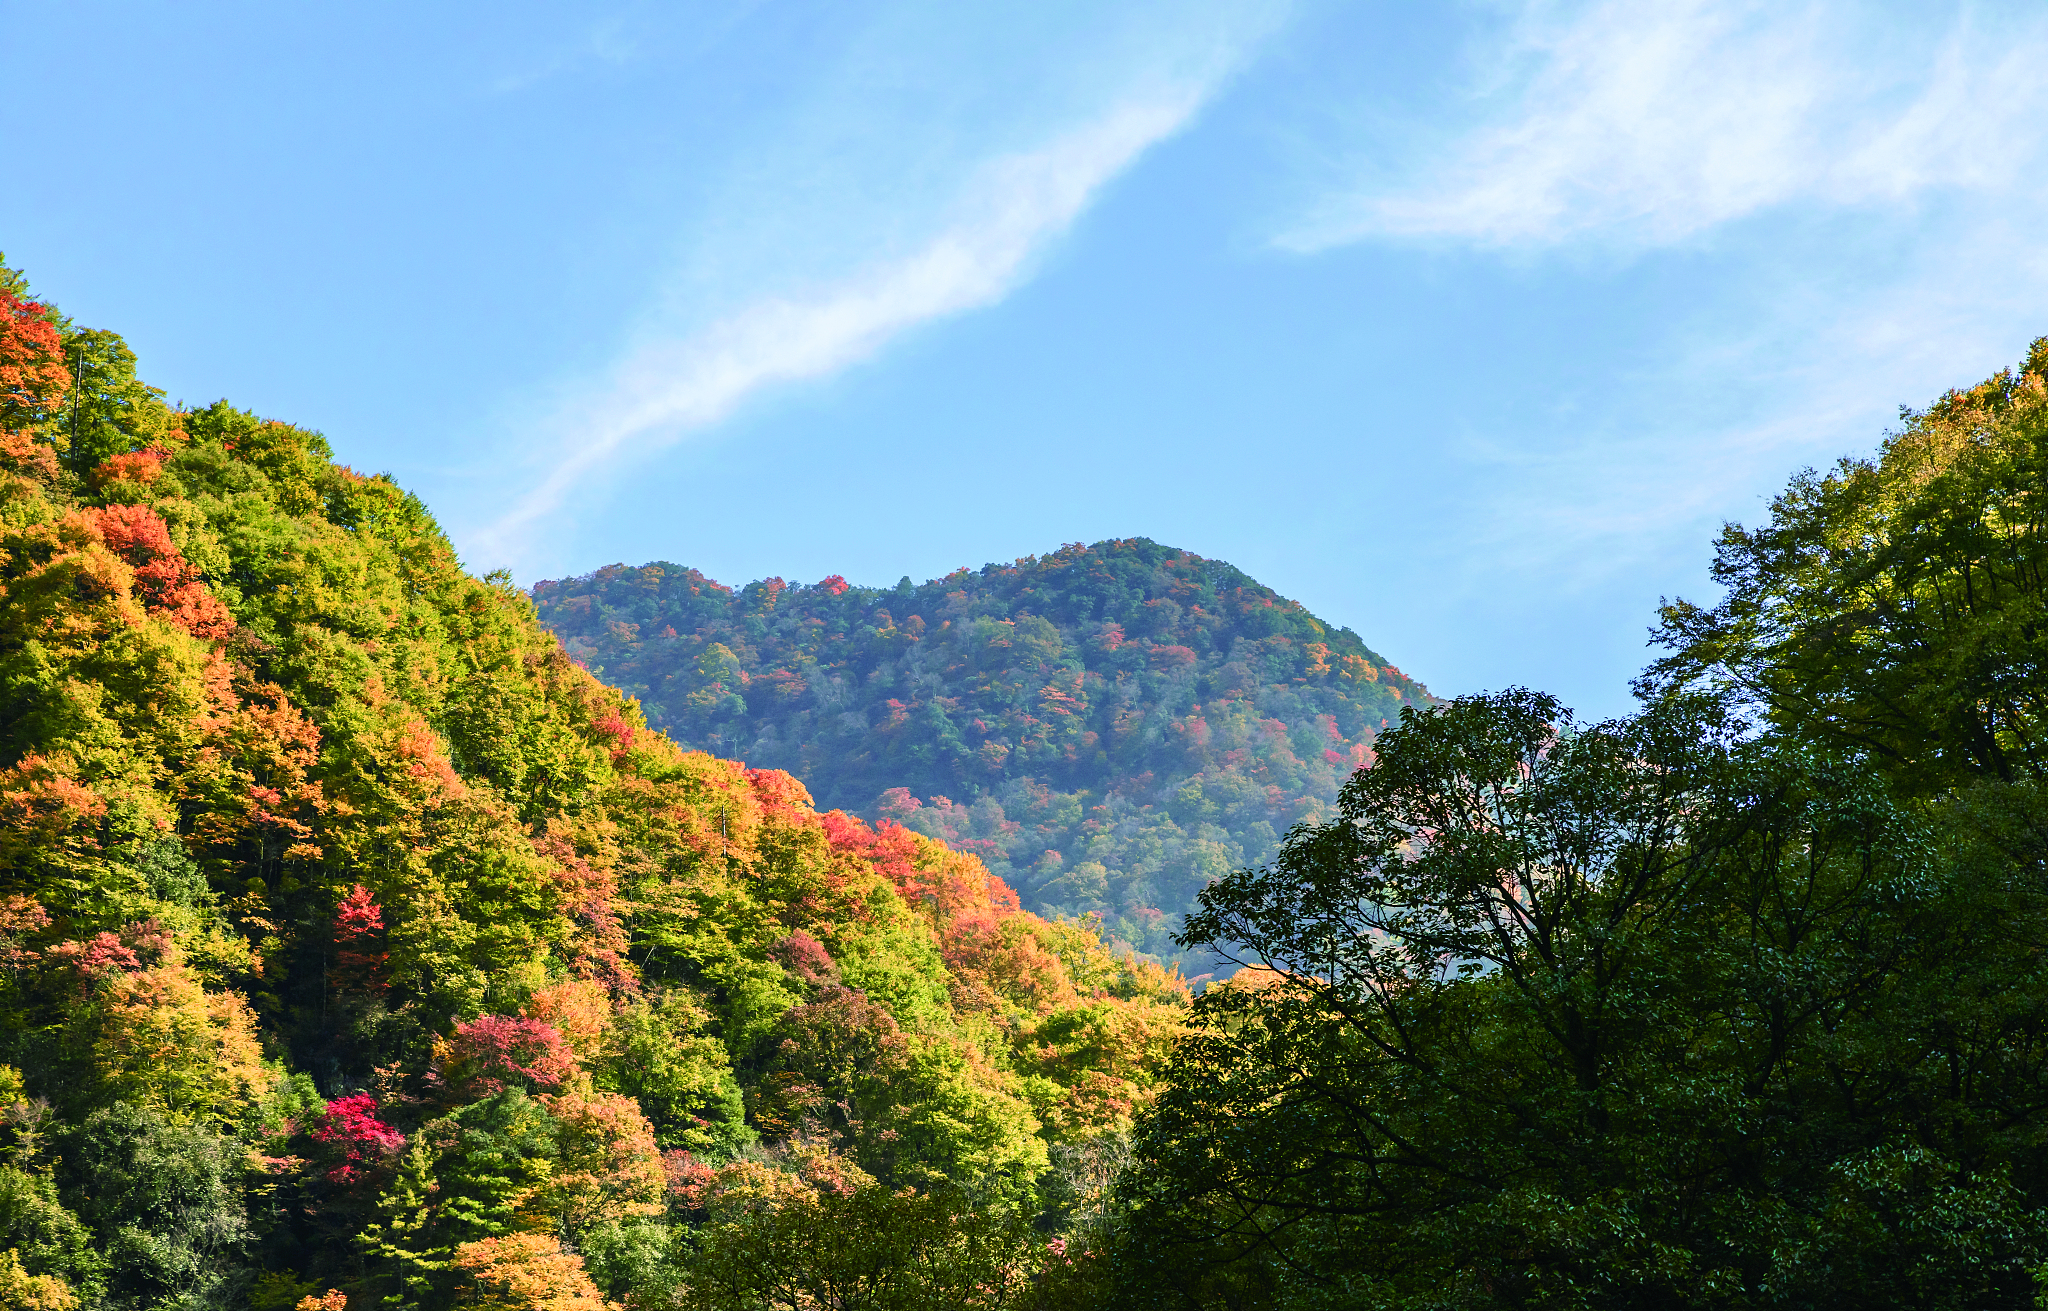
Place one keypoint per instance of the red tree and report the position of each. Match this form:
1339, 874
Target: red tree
352, 1128
491, 1051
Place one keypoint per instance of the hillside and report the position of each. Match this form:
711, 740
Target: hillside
362, 949
1108, 727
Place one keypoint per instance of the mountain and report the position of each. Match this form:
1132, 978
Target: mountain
1108, 727
359, 948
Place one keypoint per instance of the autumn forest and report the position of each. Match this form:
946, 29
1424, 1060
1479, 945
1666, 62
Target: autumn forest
1096, 930
1108, 728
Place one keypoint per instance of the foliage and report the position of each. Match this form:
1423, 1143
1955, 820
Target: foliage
1624, 1014
1107, 727
854, 1243
359, 948
165, 1201
1896, 605
526, 1271
1676, 1010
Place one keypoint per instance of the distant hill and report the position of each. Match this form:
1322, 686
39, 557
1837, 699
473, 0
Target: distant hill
1108, 727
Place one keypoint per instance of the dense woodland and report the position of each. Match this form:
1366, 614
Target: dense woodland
1109, 727
1736, 1002
361, 949
359, 946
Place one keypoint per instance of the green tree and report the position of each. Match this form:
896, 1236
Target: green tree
111, 410
466, 1176
46, 1238
864, 1248
1635, 1013
680, 1075
1898, 605
165, 1201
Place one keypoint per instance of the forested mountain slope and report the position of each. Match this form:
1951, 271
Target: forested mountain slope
357, 947
1108, 727
1734, 1002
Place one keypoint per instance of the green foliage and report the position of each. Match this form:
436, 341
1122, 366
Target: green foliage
1623, 1014
466, 1176
111, 411
164, 1201
1897, 605
275, 1290
46, 1238
357, 944
636, 1261
1675, 1010
861, 1246
910, 1109
681, 1076
1108, 727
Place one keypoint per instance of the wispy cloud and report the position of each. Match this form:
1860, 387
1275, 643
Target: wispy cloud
1850, 193
948, 248
1651, 123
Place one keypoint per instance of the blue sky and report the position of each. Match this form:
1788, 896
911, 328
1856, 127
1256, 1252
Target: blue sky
1467, 325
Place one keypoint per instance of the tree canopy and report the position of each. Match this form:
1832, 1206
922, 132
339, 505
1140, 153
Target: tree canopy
1896, 605
357, 947
1733, 1002
1108, 727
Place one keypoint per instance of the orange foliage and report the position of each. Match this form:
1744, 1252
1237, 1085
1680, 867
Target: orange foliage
526, 1272
783, 799
425, 761
41, 805
609, 1167
944, 884
1264, 978
143, 466
579, 1010
254, 773
33, 377
19, 917
587, 892
169, 586
165, 1041
21, 453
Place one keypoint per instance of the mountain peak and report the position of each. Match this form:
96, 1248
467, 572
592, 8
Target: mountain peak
1109, 726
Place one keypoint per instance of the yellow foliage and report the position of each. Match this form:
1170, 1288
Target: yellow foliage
608, 1167
165, 1041
526, 1272
1357, 669
22, 1291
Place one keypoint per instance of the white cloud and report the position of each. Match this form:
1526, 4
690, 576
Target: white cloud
897, 197
1651, 123
1856, 190
1017, 205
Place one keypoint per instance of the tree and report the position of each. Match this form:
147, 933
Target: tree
859, 1247
33, 374
1897, 605
113, 411
526, 1272
165, 1201
1624, 1014
467, 1176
